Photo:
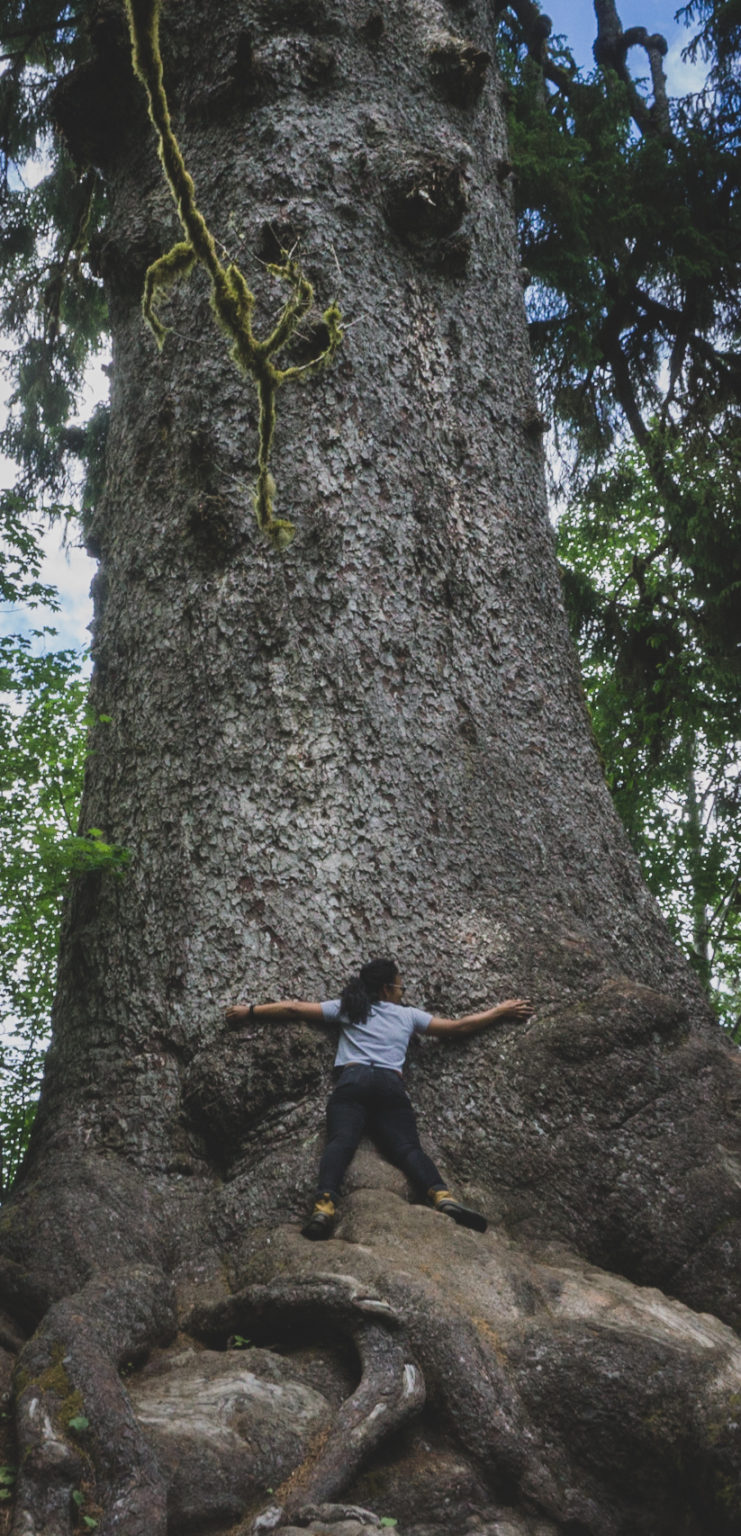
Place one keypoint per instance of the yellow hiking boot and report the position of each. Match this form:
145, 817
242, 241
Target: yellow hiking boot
322, 1218
465, 1217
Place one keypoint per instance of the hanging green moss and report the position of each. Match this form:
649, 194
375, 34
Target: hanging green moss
231, 298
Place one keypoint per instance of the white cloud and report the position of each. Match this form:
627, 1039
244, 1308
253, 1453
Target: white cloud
71, 571
95, 386
65, 566
684, 78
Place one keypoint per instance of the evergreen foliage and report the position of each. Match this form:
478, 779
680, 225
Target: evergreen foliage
630, 224
52, 312
718, 40
664, 709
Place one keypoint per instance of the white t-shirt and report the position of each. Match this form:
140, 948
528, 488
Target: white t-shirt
383, 1039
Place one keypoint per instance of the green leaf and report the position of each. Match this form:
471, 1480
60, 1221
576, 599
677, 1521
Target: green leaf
79, 1422
43, 720
78, 1498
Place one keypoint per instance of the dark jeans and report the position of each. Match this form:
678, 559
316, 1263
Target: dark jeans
373, 1099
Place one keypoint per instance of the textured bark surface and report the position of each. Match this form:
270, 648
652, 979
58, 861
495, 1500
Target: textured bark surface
373, 742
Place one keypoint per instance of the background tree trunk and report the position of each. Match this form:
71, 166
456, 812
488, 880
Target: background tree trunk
373, 742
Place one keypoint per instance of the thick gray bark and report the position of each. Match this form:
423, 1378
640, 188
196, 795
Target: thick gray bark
372, 742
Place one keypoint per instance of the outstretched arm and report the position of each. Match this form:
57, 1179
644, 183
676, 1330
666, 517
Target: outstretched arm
470, 1023
290, 1010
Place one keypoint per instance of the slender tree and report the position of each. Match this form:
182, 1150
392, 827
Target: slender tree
373, 740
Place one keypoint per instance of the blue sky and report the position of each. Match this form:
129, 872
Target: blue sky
575, 20
67, 568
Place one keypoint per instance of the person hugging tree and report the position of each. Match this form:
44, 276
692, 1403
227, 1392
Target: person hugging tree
375, 1031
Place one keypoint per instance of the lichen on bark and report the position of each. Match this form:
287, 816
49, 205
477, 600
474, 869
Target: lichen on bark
232, 300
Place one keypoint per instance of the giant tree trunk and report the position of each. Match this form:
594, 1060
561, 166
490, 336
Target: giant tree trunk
372, 742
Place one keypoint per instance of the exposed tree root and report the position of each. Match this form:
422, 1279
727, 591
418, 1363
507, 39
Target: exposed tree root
76, 1430
390, 1391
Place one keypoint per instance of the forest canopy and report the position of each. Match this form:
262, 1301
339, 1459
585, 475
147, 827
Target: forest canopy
628, 215
629, 226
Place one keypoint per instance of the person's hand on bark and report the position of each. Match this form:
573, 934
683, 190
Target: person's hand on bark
237, 1013
516, 1008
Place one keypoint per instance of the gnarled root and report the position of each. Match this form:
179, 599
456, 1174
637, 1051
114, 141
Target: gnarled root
390, 1391
77, 1434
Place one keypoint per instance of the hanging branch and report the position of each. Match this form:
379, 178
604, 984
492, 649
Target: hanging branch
231, 298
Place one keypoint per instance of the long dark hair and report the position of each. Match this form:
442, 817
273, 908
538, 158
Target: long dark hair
365, 989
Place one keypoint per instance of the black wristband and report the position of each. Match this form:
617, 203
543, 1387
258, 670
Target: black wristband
251, 1013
